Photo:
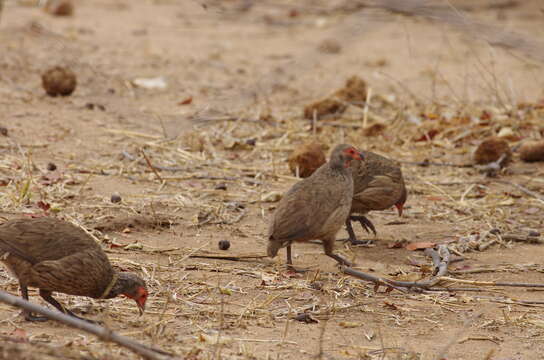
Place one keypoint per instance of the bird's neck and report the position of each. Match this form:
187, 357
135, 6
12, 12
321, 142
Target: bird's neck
339, 167
114, 287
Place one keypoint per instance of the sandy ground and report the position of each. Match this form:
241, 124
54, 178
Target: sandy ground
247, 64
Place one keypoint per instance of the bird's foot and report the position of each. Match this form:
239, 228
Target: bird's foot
361, 242
34, 318
354, 241
296, 270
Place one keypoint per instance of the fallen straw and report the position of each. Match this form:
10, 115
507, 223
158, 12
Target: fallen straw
145, 351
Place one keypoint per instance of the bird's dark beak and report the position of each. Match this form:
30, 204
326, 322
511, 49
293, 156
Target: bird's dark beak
399, 208
361, 156
141, 307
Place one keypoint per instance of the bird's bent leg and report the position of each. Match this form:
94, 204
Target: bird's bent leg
365, 223
352, 238
46, 295
27, 314
328, 246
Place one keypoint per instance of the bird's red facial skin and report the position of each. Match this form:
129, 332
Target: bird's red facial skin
140, 297
354, 154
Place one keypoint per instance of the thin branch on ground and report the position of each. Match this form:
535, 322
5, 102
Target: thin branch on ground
151, 166
440, 258
103, 333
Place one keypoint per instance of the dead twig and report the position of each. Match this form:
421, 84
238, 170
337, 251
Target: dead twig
151, 166
157, 167
232, 257
492, 283
441, 259
426, 163
103, 333
522, 189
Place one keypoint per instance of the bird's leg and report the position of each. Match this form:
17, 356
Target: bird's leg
328, 246
46, 295
290, 261
289, 258
365, 223
27, 314
352, 238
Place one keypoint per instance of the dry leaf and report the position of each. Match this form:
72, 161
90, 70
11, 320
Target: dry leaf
350, 324
186, 101
420, 245
19, 335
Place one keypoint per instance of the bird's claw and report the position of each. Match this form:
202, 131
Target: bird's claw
31, 317
361, 242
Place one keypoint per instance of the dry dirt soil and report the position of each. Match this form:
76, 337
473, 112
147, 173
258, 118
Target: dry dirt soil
237, 76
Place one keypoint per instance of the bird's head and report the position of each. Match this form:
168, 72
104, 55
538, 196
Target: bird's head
400, 204
132, 286
273, 248
343, 154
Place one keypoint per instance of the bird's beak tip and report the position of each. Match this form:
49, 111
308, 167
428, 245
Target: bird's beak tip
399, 208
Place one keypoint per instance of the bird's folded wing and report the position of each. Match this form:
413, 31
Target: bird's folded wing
85, 274
16, 251
382, 192
302, 212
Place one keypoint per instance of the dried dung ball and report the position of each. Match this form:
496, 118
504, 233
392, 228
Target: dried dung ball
308, 158
329, 46
223, 244
354, 92
320, 108
59, 81
532, 151
60, 7
374, 130
51, 166
115, 198
492, 149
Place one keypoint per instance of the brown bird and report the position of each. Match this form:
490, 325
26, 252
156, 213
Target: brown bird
54, 255
316, 207
377, 185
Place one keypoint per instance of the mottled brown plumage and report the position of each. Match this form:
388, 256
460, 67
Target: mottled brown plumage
316, 207
54, 255
378, 185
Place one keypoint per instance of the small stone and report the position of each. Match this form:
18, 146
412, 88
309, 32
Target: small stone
316, 285
223, 244
51, 166
115, 198
306, 318
4, 131
221, 186
330, 46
